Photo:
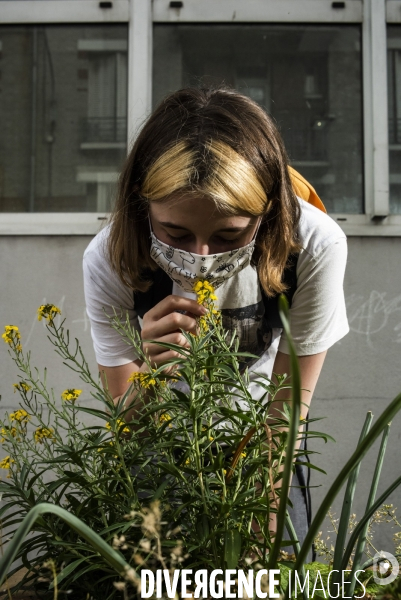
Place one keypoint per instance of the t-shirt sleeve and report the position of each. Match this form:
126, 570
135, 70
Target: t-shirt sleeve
104, 292
318, 315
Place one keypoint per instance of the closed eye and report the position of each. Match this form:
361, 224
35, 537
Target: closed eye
184, 238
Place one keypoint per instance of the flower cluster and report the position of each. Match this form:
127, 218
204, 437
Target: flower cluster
205, 292
6, 464
21, 387
48, 311
12, 337
71, 395
119, 424
43, 433
165, 418
146, 380
7, 432
206, 297
20, 415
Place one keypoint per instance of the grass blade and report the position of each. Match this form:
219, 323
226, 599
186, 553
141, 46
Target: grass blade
115, 560
371, 498
341, 478
347, 506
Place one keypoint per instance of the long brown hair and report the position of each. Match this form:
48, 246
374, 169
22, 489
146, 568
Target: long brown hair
198, 139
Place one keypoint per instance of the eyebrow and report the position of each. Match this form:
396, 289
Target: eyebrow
226, 229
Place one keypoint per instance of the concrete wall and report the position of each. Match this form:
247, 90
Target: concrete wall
361, 373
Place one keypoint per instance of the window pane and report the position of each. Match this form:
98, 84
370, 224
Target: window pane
63, 116
307, 77
394, 114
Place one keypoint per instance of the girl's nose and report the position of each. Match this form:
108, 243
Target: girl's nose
201, 248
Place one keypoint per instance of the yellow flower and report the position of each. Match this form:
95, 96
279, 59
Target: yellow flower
119, 423
21, 387
7, 432
224, 471
48, 311
71, 395
11, 335
20, 415
165, 418
43, 433
145, 379
211, 438
203, 324
187, 461
243, 454
6, 464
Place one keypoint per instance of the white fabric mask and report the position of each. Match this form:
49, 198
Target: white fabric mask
185, 268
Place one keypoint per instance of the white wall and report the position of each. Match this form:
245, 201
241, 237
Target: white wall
362, 372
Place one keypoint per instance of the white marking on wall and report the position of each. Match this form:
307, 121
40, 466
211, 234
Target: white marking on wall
371, 315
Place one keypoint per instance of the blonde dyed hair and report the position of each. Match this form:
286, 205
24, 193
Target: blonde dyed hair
230, 180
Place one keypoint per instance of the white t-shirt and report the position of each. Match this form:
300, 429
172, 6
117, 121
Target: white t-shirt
317, 314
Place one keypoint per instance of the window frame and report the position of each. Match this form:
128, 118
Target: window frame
372, 15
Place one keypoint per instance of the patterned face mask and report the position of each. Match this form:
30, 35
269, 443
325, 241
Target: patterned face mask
185, 268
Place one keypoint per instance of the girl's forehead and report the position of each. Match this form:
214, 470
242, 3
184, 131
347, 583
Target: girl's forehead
192, 210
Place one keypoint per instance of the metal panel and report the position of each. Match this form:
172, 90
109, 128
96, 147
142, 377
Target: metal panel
393, 11
375, 109
90, 223
24, 12
51, 223
139, 65
237, 11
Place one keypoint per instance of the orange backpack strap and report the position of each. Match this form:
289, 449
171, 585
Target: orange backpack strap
304, 190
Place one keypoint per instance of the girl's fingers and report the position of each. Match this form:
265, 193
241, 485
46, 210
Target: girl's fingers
171, 304
153, 349
167, 325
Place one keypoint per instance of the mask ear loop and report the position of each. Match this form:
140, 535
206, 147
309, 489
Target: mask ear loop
150, 225
255, 235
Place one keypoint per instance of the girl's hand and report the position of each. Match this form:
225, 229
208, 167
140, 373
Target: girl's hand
163, 323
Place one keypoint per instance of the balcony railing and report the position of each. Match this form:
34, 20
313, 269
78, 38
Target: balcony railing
109, 130
307, 143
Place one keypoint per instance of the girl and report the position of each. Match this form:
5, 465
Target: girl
207, 193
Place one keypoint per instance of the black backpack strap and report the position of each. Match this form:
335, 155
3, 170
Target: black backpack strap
271, 303
161, 287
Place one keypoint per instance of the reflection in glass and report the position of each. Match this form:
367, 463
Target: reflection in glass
63, 111
394, 114
307, 77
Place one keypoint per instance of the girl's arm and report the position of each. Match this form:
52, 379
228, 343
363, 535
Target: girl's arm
310, 367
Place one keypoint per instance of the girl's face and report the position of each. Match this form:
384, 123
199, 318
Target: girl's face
194, 224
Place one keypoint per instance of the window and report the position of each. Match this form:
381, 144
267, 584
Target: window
394, 115
77, 81
307, 77
64, 93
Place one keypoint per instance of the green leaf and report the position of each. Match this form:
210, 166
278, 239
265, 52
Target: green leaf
202, 527
232, 548
115, 560
69, 569
159, 492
